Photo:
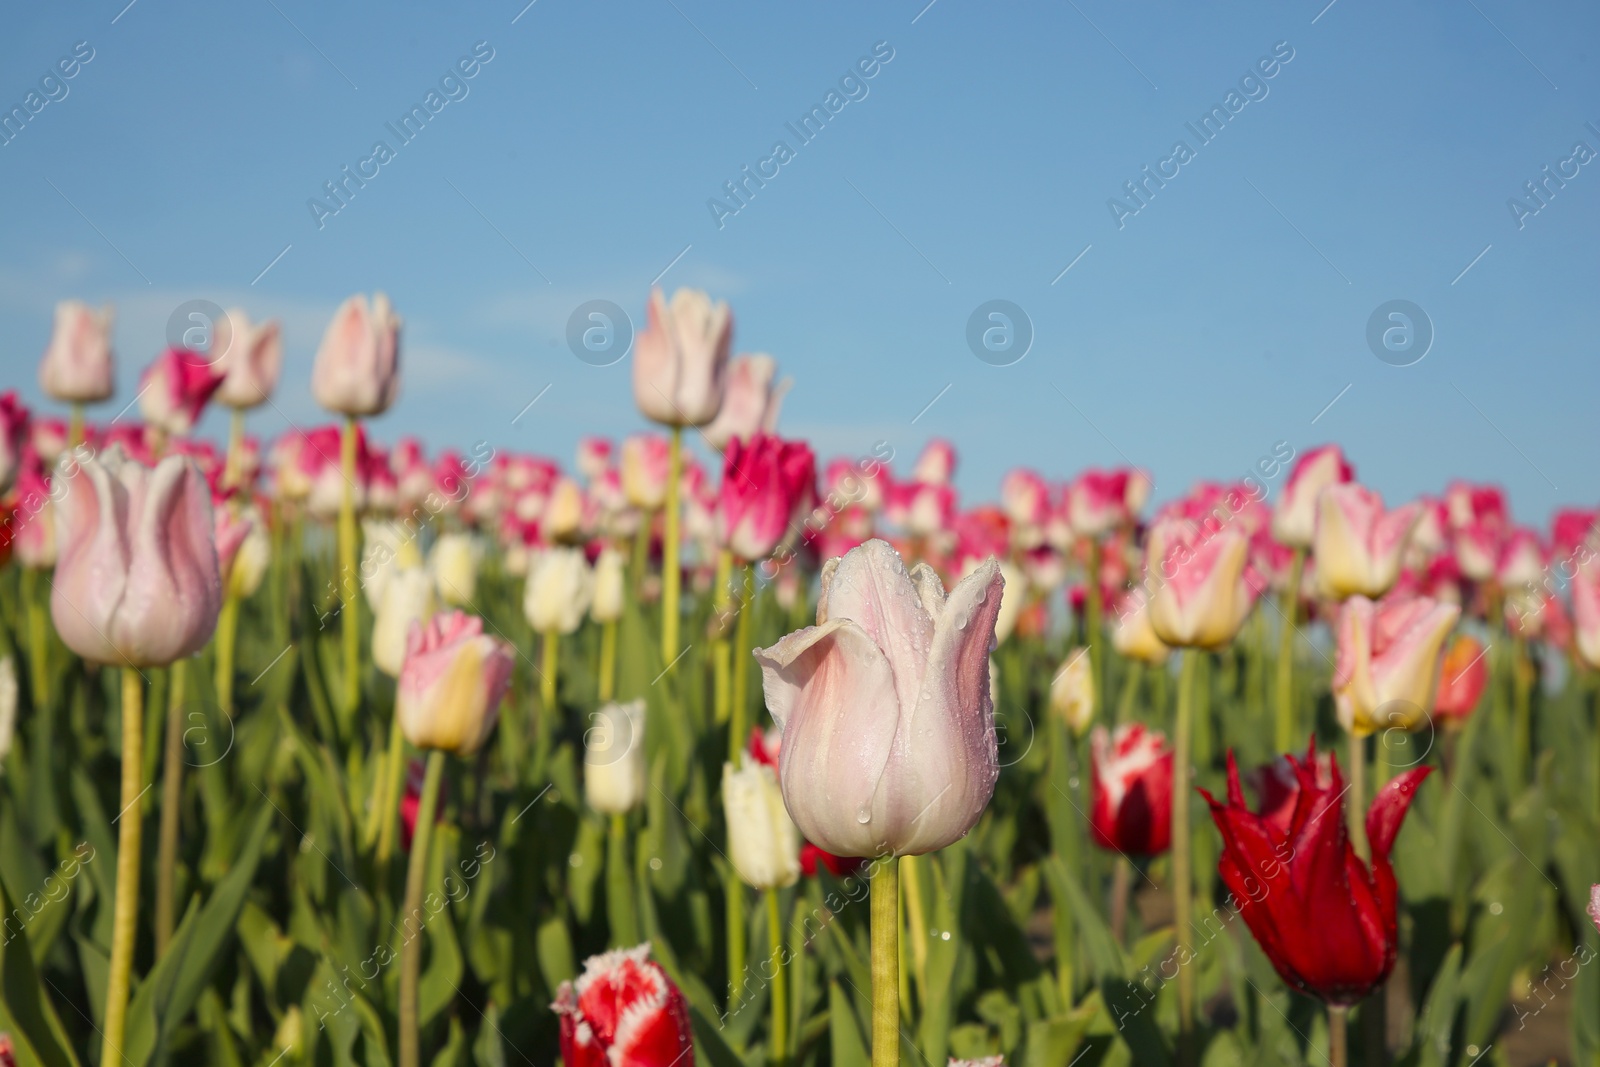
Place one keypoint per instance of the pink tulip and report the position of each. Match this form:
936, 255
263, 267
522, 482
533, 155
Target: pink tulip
1294, 520
751, 401
1521, 566
1478, 546
1198, 594
230, 531
680, 358
1469, 505
1358, 545
1586, 610
1388, 663
1097, 502
768, 488
48, 437
250, 356
922, 508
174, 389
856, 483
137, 581
14, 436
34, 520
888, 727
77, 365
1572, 531
937, 464
357, 370
594, 456
1026, 498
645, 463
413, 475
451, 683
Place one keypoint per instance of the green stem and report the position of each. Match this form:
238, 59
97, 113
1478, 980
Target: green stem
608, 660
171, 804
125, 910
1091, 623
386, 794
736, 939
670, 577
411, 952
75, 433
1339, 1035
779, 1055
233, 470
550, 648
1522, 712
1291, 609
38, 640
886, 963
1182, 876
349, 592
227, 635
620, 906
738, 721
721, 649
1133, 669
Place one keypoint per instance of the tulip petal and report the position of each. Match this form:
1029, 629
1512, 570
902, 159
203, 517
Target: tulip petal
832, 692
92, 569
872, 589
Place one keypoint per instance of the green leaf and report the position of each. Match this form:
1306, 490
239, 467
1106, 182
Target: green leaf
1105, 956
25, 1008
1436, 1024
709, 1046
847, 1044
1054, 1042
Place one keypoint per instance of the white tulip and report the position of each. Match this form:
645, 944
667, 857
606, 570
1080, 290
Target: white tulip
560, 587
763, 844
454, 561
610, 582
613, 758
407, 596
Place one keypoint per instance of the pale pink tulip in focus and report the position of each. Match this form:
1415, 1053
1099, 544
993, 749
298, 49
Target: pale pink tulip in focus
751, 402
1358, 544
137, 581
451, 684
1199, 597
250, 356
768, 487
889, 743
680, 358
1388, 663
77, 365
646, 462
1294, 519
174, 389
357, 370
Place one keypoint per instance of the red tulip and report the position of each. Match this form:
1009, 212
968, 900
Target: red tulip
1277, 787
1130, 782
1325, 919
1462, 678
624, 1011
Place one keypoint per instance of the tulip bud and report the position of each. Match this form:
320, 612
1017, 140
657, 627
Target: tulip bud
1131, 790
751, 402
624, 1011
407, 597
387, 548
1072, 692
1201, 598
174, 389
77, 365
454, 562
8, 705
1097, 502
763, 845
34, 517
250, 357
452, 682
1388, 662
766, 485
594, 456
1463, 675
137, 581
1585, 609
1131, 632
357, 370
251, 561
230, 531
1294, 520
559, 589
857, 780
613, 758
645, 464
937, 463
680, 358
610, 584
1357, 544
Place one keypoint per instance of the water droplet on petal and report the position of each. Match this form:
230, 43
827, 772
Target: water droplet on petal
863, 816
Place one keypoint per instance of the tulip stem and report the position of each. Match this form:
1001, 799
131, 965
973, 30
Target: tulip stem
608, 660
669, 552
1130, 691
1522, 713
1182, 876
886, 963
1091, 622
1357, 806
621, 908
171, 802
125, 910
721, 646
227, 635
233, 470
1291, 609
736, 939
1339, 1035
550, 647
741, 664
386, 793
75, 432
778, 1056
1121, 885
38, 641
347, 570
411, 952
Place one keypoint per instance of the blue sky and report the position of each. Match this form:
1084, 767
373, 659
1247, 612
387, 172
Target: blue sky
1222, 317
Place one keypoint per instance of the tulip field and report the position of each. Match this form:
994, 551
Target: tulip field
700, 748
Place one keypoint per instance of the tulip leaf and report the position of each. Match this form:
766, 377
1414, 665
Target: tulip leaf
29, 884
439, 984
846, 1042
709, 1046
1436, 1025
1105, 957
25, 1008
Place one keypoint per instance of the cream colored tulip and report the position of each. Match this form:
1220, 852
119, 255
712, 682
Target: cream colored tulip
1388, 662
763, 844
613, 758
1133, 636
250, 562
407, 597
1072, 692
1358, 545
610, 586
559, 589
454, 562
387, 548
452, 682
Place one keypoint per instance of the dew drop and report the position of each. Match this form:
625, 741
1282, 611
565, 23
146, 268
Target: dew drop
864, 816
1496, 908
575, 859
